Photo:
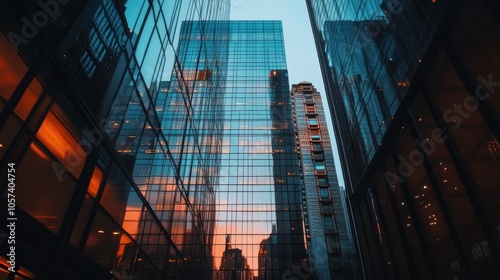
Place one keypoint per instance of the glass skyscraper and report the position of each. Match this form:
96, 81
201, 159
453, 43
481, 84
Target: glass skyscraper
259, 191
329, 241
412, 90
89, 121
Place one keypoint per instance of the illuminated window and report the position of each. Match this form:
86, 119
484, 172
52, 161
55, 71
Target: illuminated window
95, 182
312, 121
29, 99
317, 147
56, 137
319, 165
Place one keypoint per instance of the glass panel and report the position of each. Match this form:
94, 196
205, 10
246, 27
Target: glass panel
12, 69
481, 153
319, 165
103, 241
9, 132
56, 137
393, 232
82, 221
402, 212
324, 193
478, 48
452, 187
49, 204
322, 181
115, 194
95, 182
329, 224
428, 208
29, 99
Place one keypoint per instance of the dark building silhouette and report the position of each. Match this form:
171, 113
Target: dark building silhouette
290, 249
412, 90
267, 262
233, 264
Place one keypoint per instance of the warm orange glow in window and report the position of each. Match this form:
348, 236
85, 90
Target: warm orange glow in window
37, 151
95, 182
61, 143
204, 75
131, 220
12, 68
29, 99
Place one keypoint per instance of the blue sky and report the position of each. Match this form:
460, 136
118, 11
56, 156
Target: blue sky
302, 60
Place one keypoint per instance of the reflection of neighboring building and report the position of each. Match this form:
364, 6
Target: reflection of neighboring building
287, 183
267, 262
234, 265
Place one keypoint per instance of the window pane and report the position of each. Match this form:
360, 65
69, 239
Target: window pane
29, 99
46, 204
323, 193
95, 182
82, 220
319, 165
56, 137
103, 240
315, 137
322, 181
115, 194
12, 69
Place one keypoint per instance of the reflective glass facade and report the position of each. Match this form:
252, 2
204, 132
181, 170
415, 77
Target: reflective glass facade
411, 85
259, 193
84, 96
329, 239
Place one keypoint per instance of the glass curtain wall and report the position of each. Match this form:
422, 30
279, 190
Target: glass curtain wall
83, 89
424, 201
258, 204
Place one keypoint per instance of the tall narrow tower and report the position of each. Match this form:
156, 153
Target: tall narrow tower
329, 241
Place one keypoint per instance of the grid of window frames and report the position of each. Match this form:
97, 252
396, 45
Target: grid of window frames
371, 62
258, 195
